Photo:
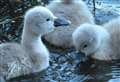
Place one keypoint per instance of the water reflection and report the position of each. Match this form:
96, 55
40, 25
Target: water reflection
100, 71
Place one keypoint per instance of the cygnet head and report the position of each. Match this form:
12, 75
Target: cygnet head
39, 20
86, 39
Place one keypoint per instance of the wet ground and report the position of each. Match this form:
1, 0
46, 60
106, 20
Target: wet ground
72, 67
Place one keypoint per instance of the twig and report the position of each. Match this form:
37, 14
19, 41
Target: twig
94, 7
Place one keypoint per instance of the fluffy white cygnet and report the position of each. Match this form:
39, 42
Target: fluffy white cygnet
99, 42
31, 55
74, 10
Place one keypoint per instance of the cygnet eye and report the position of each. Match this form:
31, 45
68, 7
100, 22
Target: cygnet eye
84, 46
48, 19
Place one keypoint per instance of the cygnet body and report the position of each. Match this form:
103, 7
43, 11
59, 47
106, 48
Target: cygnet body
31, 55
74, 10
99, 42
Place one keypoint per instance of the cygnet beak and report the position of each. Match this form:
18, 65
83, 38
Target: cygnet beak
61, 21
83, 57
81, 53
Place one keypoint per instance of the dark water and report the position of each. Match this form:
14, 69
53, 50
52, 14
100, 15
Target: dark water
104, 71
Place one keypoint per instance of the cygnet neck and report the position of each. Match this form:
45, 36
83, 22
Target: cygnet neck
28, 36
35, 48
